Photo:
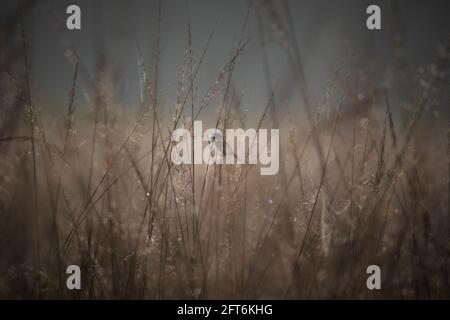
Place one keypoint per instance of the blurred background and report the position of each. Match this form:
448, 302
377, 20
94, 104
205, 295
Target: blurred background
323, 30
85, 175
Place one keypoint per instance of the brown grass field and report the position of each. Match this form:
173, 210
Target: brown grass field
363, 180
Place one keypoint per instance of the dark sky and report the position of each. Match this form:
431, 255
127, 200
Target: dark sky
323, 30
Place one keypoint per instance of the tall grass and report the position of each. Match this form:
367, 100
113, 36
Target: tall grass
361, 182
